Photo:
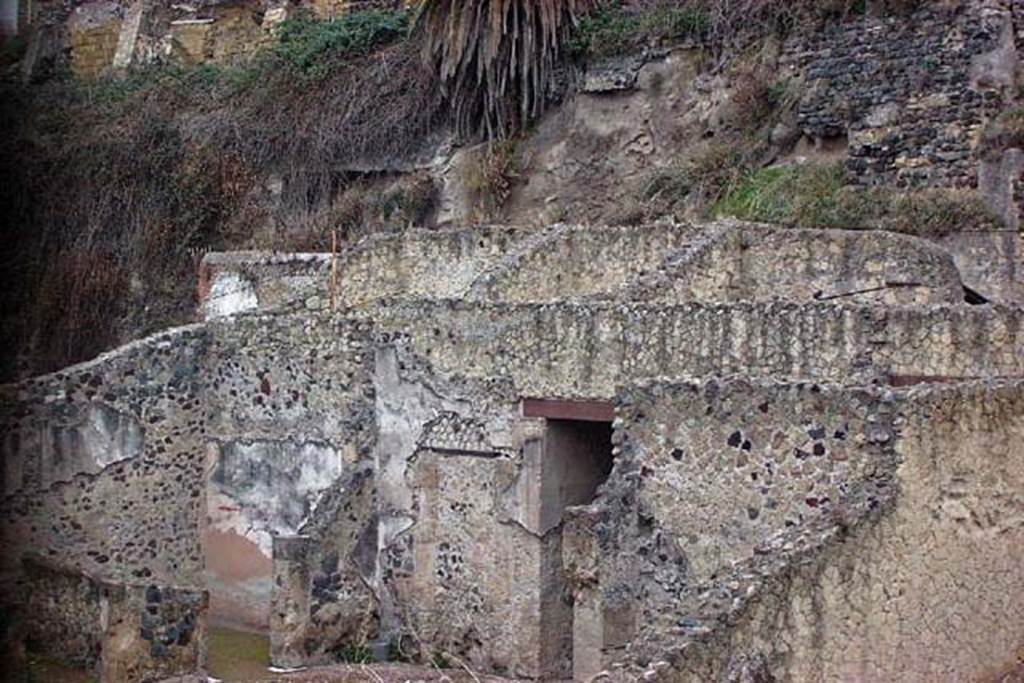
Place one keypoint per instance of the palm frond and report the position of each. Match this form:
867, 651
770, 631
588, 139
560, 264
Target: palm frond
495, 58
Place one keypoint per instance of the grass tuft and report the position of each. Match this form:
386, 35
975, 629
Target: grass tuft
820, 196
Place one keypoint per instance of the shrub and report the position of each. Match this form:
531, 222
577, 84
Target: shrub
491, 174
313, 47
137, 178
614, 30
355, 654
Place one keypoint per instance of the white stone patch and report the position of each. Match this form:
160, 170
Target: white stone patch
264, 488
230, 293
38, 457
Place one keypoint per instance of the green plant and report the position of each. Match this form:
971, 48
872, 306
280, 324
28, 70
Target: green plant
314, 47
614, 30
820, 196
356, 654
801, 195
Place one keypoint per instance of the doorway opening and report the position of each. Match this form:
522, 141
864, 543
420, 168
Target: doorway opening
576, 458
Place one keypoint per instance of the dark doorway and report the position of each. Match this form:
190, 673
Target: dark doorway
576, 459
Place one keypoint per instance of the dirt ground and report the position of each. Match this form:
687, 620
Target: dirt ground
239, 657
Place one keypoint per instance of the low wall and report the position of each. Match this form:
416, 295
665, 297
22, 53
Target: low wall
575, 262
237, 282
123, 632
666, 263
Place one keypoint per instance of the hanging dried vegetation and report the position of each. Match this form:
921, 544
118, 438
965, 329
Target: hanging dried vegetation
495, 58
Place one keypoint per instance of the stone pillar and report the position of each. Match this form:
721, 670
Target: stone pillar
289, 599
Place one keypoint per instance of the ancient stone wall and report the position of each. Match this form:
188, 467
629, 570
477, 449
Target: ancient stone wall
667, 263
290, 404
237, 282
448, 461
321, 600
94, 34
218, 436
586, 351
103, 463
121, 631
742, 262
572, 262
911, 94
863, 533
990, 263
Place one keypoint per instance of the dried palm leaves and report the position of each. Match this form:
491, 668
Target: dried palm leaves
495, 58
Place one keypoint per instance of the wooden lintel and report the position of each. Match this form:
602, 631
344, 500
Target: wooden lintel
560, 409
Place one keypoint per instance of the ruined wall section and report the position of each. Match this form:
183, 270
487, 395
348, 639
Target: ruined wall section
402, 553
717, 485
124, 632
586, 351
911, 94
857, 571
748, 262
103, 506
724, 260
322, 601
290, 401
415, 263
103, 463
241, 281
577, 262
460, 559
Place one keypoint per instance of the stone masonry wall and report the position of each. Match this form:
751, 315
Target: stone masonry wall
175, 459
864, 533
573, 262
670, 263
586, 351
291, 412
713, 484
103, 463
744, 262
911, 94
134, 632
